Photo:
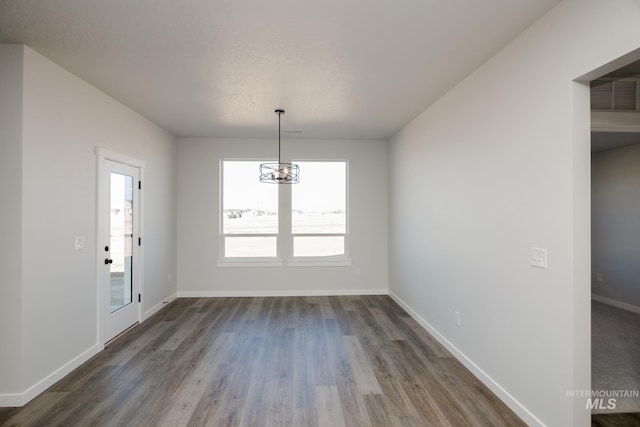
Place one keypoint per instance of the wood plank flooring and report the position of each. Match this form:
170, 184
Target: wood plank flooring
615, 420
294, 361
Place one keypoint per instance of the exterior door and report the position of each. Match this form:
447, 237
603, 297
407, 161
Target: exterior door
118, 248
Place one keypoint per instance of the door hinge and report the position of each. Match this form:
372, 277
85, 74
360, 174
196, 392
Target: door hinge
139, 297
139, 185
139, 241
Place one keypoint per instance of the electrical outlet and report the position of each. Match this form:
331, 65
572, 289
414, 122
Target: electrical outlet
539, 258
599, 277
458, 322
357, 272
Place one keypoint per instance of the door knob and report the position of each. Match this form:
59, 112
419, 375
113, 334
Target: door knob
108, 261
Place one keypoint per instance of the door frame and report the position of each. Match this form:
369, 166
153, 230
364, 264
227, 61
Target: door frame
102, 156
581, 233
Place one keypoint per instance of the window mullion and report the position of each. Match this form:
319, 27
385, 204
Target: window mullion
285, 240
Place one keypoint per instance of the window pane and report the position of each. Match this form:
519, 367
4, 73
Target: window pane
249, 206
241, 247
121, 231
318, 245
319, 201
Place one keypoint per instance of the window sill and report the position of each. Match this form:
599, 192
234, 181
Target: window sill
279, 263
318, 263
249, 263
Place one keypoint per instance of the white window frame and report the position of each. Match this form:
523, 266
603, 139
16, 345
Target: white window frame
225, 261
284, 236
332, 260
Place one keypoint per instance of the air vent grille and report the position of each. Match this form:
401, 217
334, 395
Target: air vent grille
614, 95
601, 95
624, 95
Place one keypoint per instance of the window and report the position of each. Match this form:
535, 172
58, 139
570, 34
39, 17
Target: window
306, 222
319, 210
249, 212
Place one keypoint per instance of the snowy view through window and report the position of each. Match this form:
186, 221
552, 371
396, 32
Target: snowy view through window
318, 214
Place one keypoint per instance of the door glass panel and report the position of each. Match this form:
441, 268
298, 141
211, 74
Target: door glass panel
121, 240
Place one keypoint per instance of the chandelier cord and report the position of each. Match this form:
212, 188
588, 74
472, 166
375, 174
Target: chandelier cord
279, 115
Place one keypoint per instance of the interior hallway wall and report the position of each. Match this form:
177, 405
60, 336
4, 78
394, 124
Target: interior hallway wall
497, 166
615, 207
63, 119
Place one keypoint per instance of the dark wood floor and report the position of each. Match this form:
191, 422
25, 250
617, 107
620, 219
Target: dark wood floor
299, 361
615, 420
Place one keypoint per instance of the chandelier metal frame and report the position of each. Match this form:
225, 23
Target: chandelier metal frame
279, 173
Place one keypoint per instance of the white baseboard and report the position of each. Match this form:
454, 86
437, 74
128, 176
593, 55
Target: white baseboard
11, 400
153, 310
21, 399
496, 388
294, 293
616, 303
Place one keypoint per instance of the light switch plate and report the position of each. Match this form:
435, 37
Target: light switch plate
539, 257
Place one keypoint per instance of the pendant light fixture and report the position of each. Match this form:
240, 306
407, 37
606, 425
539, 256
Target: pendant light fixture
279, 173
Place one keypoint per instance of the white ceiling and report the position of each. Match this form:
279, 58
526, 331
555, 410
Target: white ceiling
353, 69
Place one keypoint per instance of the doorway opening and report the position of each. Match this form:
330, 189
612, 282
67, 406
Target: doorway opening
615, 241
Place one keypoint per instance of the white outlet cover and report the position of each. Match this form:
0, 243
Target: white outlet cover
539, 258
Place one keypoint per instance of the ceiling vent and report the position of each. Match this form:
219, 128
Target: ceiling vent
615, 95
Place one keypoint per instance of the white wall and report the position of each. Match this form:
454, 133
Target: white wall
63, 121
198, 220
496, 166
615, 210
10, 216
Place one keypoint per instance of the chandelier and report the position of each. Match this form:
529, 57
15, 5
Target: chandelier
279, 173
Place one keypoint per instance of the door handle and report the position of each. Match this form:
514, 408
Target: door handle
108, 261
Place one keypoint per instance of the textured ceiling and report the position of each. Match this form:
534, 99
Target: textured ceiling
357, 69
